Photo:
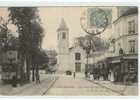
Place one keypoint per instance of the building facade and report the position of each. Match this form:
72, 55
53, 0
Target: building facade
68, 59
126, 33
119, 63
77, 62
124, 59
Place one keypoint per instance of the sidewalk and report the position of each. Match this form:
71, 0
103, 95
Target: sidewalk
125, 90
29, 89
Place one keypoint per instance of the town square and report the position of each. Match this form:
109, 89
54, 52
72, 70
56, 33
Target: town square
69, 51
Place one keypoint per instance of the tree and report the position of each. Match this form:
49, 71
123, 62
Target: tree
91, 44
30, 34
52, 55
35, 47
3, 36
39, 58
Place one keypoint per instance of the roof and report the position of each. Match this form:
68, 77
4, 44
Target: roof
73, 47
130, 11
62, 25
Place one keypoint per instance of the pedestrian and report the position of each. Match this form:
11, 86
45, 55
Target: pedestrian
74, 75
86, 74
37, 78
14, 81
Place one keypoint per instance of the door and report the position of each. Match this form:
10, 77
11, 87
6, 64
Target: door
77, 67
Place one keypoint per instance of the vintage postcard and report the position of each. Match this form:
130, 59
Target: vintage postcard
69, 51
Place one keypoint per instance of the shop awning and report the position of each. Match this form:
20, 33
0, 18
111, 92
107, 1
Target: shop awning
115, 61
131, 57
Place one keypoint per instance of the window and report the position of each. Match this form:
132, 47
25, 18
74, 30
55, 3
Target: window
77, 67
131, 27
77, 56
121, 51
132, 46
63, 35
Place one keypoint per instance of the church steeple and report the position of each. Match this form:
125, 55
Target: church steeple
62, 25
63, 37
63, 46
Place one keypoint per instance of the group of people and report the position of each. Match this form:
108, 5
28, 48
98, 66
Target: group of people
98, 74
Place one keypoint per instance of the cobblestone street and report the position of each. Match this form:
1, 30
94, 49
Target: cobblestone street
62, 85
68, 86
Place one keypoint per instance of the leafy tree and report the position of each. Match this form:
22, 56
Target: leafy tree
91, 44
30, 34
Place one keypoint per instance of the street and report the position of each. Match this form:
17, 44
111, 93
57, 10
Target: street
64, 85
30, 89
68, 86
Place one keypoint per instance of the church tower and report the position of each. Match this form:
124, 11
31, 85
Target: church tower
63, 46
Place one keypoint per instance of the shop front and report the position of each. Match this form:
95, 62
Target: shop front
123, 68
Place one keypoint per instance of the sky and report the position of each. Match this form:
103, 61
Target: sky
51, 17
50, 20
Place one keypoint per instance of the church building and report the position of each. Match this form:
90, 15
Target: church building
69, 59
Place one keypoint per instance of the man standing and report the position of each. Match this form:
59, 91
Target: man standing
74, 75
